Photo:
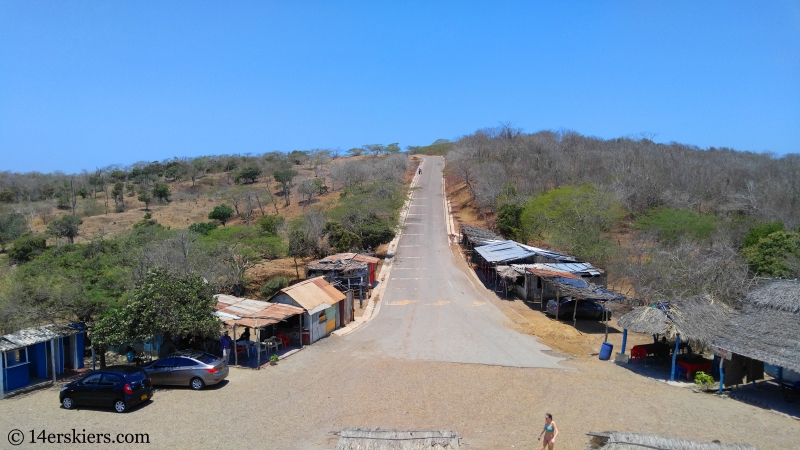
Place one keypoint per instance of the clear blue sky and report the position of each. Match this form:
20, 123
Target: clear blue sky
86, 84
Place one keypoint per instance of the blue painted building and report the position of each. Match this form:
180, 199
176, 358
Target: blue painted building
38, 355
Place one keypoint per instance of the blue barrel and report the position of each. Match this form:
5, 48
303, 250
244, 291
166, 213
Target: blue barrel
605, 351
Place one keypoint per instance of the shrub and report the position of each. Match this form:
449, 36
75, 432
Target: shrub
509, 221
270, 224
703, 380
274, 285
27, 247
761, 230
203, 227
673, 224
222, 213
777, 255
162, 192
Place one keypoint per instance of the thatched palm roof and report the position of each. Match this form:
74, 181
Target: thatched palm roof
782, 295
635, 441
768, 329
696, 319
377, 439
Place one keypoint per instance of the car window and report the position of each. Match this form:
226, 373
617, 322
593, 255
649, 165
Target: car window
93, 380
110, 379
186, 362
206, 358
166, 362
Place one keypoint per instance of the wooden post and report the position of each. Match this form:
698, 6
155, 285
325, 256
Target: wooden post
53, 357
605, 319
624, 339
3, 365
541, 297
575, 313
258, 349
235, 353
675, 357
558, 302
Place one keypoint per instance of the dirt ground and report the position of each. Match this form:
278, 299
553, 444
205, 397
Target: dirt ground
299, 403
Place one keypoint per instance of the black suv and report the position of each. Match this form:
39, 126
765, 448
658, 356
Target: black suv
117, 386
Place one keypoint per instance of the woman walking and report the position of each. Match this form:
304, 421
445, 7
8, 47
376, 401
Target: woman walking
550, 432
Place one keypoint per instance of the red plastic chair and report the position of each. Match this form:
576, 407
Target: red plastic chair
284, 339
638, 353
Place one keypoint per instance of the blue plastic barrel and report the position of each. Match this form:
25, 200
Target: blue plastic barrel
605, 351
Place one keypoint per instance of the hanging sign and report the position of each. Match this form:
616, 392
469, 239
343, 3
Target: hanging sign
722, 353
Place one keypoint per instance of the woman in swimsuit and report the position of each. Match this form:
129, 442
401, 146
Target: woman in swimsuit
550, 432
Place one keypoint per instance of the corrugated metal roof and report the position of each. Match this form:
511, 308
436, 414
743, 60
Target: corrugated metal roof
576, 268
30, 336
548, 253
351, 256
503, 251
551, 273
242, 311
314, 292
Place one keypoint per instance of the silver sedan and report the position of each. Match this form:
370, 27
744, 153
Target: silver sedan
191, 368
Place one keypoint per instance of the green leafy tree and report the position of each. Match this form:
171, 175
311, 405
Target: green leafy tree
777, 255
392, 148
222, 213
341, 239
285, 177
27, 247
6, 196
271, 224
249, 174
761, 230
145, 198
573, 219
162, 305
65, 227
274, 285
509, 221
162, 192
12, 226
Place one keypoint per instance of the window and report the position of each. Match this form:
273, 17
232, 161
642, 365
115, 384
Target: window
92, 380
165, 363
186, 362
110, 379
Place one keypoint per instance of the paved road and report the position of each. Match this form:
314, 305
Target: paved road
431, 310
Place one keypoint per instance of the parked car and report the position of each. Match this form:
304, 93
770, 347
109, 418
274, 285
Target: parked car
191, 368
118, 386
587, 309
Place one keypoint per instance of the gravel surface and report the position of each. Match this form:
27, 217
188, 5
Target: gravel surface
324, 388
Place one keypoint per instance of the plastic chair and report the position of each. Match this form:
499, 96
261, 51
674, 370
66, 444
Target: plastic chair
284, 339
268, 344
278, 342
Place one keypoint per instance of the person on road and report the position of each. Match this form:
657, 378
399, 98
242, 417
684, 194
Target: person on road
419, 171
226, 342
550, 432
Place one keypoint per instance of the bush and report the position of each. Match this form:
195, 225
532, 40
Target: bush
248, 174
222, 213
27, 247
274, 285
271, 224
761, 230
509, 221
777, 255
203, 227
341, 239
703, 380
673, 224
162, 192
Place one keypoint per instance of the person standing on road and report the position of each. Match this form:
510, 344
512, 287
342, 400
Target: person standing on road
226, 342
420, 170
550, 432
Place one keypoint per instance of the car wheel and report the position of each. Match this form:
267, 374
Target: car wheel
197, 384
120, 406
68, 403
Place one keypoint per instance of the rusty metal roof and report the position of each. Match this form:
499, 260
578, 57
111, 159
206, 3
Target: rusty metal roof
548, 273
246, 312
314, 292
351, 256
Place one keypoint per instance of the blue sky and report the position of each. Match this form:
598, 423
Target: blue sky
88, 84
